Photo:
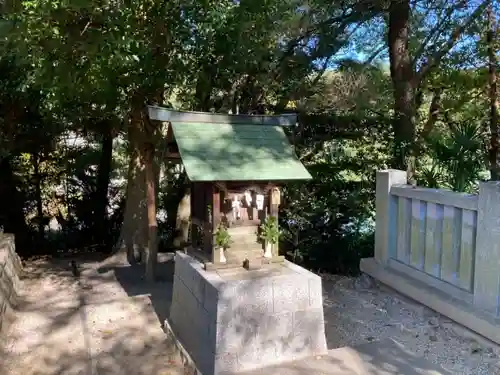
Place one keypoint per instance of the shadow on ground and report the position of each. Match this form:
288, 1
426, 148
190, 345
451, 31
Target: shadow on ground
131, 279
378, 358
108, 322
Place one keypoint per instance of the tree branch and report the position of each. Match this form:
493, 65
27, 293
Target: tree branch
436, 58
374, 54
436, 30
433, 112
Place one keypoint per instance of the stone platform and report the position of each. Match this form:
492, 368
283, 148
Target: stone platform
235, 320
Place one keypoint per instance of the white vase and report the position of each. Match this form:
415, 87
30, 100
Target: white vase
267, 250
222, 256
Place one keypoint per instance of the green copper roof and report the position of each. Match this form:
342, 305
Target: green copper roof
236, 152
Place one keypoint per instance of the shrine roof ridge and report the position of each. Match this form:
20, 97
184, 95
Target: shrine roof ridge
164, 114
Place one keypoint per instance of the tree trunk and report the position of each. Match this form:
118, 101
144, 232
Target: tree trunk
402, 75
183, 220
494, 150
103, 179
138, 236
202, 94
433, 112
38, 196
152, 248
134, 232
133, 235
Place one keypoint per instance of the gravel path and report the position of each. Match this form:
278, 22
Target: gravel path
109, 323
359, 311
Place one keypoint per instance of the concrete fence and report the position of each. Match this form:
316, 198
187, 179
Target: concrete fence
441, 248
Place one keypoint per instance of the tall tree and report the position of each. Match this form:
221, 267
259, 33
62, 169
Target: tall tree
492, 46
411, 65
118, 59
247, 56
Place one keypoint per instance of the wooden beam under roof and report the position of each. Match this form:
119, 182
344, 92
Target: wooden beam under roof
164, 114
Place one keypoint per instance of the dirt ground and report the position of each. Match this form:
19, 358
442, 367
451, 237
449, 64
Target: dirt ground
109, 322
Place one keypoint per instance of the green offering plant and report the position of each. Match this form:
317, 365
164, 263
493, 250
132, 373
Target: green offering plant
269, 230
222, 237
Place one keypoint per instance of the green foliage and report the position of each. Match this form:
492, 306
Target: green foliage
327, 222
269, 230
430, 177
85, 67
458, 158
222, 237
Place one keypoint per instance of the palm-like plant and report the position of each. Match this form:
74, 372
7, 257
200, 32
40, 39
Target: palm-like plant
430, 176
458, 155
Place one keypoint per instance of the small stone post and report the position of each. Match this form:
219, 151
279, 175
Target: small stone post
487, 270
385, 180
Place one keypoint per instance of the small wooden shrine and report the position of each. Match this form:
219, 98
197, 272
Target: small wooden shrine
236, 165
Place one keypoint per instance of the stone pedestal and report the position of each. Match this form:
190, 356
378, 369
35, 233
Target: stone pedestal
234, 320
486, 275
385, 215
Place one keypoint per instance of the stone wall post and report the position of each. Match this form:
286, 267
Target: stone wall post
385, 180
487, 258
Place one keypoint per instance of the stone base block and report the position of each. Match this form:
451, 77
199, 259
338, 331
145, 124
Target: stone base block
237, 320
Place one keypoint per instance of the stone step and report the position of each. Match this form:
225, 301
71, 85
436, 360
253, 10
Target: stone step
245, 248
243, 231
246, 241
238, 246
243, 254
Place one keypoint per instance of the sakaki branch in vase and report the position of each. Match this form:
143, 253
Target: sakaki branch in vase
222, 242
270, 235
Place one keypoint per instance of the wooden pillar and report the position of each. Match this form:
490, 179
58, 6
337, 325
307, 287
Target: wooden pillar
195, 219
215, 221
208, 218
274, 202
